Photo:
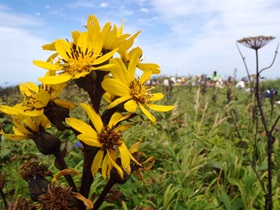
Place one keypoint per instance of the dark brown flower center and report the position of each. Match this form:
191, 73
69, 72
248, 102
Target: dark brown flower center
109, 138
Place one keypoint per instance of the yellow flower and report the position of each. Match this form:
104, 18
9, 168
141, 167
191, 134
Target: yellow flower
131, 91
75, 59
113, 37
26, 127
36, 98
34, 101
107, 137
55, 90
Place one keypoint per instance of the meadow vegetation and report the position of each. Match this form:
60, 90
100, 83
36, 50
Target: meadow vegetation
210, 152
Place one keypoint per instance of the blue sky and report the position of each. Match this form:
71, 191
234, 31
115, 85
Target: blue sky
185, 37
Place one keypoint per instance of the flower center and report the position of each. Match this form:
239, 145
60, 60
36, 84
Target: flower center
78, 61
109, 138
139, 93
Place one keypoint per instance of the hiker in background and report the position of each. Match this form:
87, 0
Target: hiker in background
241, 84
215, 77
270, 93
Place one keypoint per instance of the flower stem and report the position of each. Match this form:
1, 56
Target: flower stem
87, 178
103, 194
62, 165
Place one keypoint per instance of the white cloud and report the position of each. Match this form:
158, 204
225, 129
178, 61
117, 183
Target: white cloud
103, 4
145, 10
202, 34
21, 49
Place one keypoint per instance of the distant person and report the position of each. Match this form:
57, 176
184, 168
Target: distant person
215, 77
241, 84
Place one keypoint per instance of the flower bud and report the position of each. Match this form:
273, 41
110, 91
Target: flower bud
56, 114
34, 173
46, 142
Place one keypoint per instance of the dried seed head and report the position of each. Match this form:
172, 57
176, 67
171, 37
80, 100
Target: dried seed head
34, 172
34, 167
57, 197
256, 42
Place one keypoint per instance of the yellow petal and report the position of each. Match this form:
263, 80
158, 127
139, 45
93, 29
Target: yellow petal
63, 48
90, 139
107, 165
105, 57
21, 127
49, 46
119, 101
75, 36
120, 72
8, 110
83, 41
30, 124
56, 89
97, 161
31, 113
137, 52
134, 148
18, 132
115, 164
31, 87
92, 22
116, 118
129, 42
93, 116
64, 172
115, 87
46, 65
43, 98
148, 114
160, 108
156, 96
88, 203
145, 76
65, 104
81, 74
149, 66
15, 137
53, 80
131, 106
80, 126
125, 158
122, 128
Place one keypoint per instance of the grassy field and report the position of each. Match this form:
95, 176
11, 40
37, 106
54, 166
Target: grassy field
208, 151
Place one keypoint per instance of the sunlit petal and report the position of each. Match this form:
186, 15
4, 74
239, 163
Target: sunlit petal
90, 139
119, 101
131, 106
94, 117
80, 126
160, 108
97, 161
148, 114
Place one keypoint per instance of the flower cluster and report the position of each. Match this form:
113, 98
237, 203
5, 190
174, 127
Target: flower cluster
102, 62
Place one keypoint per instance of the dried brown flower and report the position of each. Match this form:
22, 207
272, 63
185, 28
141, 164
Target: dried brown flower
34, 167
34, 172
255, 42
57, 197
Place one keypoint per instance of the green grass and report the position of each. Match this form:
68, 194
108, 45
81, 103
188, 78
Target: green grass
200, 161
